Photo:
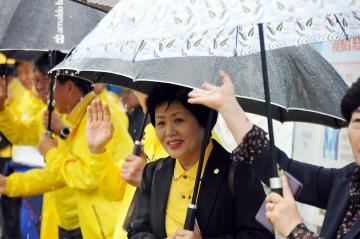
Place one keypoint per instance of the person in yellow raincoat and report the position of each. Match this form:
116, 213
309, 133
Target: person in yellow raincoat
73, 157
23, 105
10, 207
37, 181
27, 131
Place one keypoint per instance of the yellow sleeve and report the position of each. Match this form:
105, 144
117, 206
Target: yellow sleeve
83, 174
108, 174
32, 182
18, 131
107, 166
70, 169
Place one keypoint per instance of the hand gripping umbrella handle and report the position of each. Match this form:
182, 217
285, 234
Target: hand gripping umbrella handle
276, 185
137, 146
190, 217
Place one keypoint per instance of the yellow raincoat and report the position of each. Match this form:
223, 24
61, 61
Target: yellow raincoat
23, 126
16, 91
71, 158
97, 215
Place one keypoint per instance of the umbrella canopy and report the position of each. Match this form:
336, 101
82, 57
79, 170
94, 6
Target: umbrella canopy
43, 25
142, 30
299, 78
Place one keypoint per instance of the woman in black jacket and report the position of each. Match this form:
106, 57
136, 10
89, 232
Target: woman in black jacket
336, 190
168, 183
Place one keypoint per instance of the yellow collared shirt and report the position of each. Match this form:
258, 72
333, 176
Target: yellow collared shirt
181, 190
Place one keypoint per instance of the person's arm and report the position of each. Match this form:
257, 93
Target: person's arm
66, 166
18, 131
14, 129
30, 183
98, 167
106, 166
253, 146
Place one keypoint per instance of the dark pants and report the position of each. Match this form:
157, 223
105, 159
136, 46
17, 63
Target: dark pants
66, 234
10, 207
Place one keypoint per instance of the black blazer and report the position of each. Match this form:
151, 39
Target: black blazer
324, 188
220, 214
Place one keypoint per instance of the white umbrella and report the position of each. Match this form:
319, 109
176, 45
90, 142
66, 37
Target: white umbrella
137, 31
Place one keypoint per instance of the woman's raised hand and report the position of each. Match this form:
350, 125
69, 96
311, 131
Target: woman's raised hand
218, 98
222, 99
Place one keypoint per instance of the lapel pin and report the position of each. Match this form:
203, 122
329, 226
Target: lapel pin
216, 171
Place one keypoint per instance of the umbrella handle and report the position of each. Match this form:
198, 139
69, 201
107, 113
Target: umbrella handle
190, 217
276, 185
137, 146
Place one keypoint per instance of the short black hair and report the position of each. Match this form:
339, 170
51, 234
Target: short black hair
351, 100
84, 86
42, 64
167, 93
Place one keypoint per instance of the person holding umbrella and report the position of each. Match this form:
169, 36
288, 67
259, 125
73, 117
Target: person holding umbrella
336, 190
72, 96
28, 132
167, 184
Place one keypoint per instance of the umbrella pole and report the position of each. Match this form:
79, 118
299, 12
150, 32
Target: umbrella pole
136, 151
275, 182
52, 60
191, 211
137, 146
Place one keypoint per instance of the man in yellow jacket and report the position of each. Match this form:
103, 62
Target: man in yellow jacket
71, 155
27, 131
75, 157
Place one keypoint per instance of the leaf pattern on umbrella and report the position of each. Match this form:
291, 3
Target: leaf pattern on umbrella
281, 6
170, 43
251, 32
332, 23
309, 22
197, 43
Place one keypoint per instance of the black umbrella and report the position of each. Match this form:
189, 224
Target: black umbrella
44, 25
299, 78
102, 5
29, 28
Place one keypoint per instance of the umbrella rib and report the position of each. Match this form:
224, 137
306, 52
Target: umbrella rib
236, 40
342, 28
